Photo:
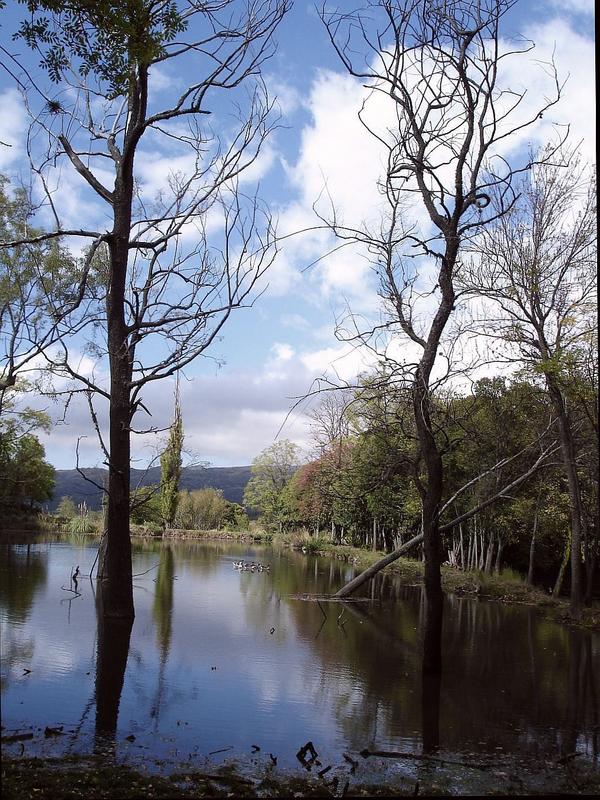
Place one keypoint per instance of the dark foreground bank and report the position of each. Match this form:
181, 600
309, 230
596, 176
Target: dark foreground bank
97, 779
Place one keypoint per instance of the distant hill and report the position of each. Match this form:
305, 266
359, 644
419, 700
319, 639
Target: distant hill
232, 481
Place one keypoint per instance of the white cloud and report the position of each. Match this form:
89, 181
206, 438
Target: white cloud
573, 54
283, 352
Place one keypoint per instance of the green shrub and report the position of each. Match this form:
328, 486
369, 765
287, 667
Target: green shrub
81, 524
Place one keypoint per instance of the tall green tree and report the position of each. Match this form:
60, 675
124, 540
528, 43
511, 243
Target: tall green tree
41, 286
102, 57
272, 471
27, 478
170, 469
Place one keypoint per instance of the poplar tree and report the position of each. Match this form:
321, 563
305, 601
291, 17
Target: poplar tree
170, 469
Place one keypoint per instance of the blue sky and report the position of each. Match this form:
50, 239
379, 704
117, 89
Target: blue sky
235, 402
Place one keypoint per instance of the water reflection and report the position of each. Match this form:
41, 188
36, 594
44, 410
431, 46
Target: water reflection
111, 661
24, 574
222, 659
162, 611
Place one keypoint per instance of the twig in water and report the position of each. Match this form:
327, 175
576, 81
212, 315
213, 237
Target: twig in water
137, 574
73, 591
222, 750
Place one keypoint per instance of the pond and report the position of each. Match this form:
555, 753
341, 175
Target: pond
233, 665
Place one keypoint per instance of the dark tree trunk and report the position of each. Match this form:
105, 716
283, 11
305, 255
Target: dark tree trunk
433, 486
431, 499
115, 572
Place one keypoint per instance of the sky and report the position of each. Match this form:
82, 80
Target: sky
244, 394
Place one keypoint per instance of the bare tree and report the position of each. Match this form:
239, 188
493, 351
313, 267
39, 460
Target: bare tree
438, 63
168, 282
537, 264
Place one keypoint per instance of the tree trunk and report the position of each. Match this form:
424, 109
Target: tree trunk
374, 534
365, 576
567, 448
532, 545
115, 572
499, 555
489, 555
115, 569
561, 572
431, 499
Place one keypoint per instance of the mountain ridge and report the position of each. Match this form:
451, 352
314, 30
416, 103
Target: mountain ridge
70, 483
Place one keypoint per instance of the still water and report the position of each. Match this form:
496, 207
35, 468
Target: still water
221, 662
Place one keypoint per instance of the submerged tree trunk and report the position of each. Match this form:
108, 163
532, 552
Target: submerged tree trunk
365, 576
431, 498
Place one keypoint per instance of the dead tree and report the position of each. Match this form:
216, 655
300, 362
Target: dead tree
169, 268
438, 64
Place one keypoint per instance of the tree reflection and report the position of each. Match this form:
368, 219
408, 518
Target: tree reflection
24, 573
162, 611
431, 675
111, 661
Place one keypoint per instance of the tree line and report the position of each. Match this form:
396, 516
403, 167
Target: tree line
499, 443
